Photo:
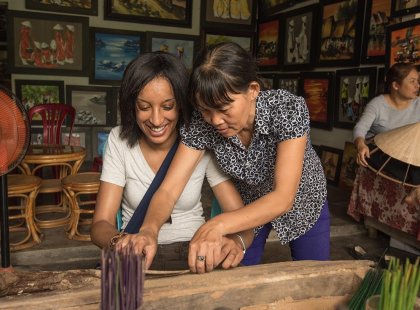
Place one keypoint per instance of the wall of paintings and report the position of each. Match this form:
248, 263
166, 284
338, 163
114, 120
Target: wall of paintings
332, 52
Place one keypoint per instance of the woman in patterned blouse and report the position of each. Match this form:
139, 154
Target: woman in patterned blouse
261, 139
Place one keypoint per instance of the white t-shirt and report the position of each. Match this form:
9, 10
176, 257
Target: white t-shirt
127, 167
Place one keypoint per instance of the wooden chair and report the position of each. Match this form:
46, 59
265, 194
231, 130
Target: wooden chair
81, 190
22, 191
53, 116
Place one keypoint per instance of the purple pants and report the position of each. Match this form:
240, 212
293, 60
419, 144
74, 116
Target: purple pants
313, 245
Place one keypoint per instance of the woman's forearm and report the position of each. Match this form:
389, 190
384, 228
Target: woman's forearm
102, 232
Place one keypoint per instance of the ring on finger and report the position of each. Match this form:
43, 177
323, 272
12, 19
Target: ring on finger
201, 258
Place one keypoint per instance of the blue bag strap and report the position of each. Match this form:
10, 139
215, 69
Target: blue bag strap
139, 214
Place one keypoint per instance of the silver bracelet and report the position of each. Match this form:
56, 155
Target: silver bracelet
243, 243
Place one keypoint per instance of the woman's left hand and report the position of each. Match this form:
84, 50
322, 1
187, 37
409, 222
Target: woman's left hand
205, 251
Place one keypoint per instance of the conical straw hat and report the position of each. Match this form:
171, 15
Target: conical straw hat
402, 143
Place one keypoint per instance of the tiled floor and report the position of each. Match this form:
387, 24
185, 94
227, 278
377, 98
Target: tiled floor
56, 252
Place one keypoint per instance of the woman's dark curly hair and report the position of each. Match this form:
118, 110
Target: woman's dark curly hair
138, 73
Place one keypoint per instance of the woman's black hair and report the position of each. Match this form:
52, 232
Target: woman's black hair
219, 70
397, 73
138, 73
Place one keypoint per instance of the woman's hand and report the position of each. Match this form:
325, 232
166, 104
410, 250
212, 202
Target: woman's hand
362, 152
144, 242
232, 252
414, 197
205, 251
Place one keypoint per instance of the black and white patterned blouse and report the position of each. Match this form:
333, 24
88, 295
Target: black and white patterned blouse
280, 116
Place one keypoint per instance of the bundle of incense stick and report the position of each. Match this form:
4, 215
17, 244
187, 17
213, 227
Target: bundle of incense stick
122, 279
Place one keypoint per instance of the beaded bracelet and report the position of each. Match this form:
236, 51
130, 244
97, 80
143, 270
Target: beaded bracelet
115, 239
243, 243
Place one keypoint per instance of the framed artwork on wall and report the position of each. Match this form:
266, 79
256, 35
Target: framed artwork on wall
164, 13
402, 43
331, 163
341, 32
93, 104
404, 7
183, 46
34, 92
378, 17
299, 31
5, 77
111, 51
216, 13
86, 7
317, 88
270, 7
268, 36
268, 80
354, 89
380, 84
47, 43
214, 36
289, 82
3, 10
348, 167
99, 138
81, 136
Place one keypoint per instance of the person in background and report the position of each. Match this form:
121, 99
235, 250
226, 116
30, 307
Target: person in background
398, 106
261, 139
152, 101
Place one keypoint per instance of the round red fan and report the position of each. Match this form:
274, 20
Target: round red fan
14, 140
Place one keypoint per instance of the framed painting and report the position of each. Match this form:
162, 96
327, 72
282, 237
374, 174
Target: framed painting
216, 13
341, 32
354, 89
111, 51
80, 136
317, 89
181, 45
34, 92
378, 17
299, 30
380, 84
85, 7
268, 80
405, 7
348, 167
36, 135
93, 104
270, 7
47, 43
5, 77
163, 13
331, 163
268, 37
402, 43
289, 82
3, 10
214, 36
99, 137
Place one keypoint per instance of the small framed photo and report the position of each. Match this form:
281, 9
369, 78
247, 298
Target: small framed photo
404, 7
214, 36
268, 37
299, 31
268, 80
289, 82
111, 52
175, 13
270, 7
34, 92
341, 32
317, 88
47, 43
5, 77
86, 7
348, 167
402, 43
36, 135
331, 163
99, 137
354, 89
180, 45
80, 136
93, 104
378, 17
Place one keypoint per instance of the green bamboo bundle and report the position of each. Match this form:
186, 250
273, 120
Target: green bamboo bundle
401, 285
122, 280
371, 285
